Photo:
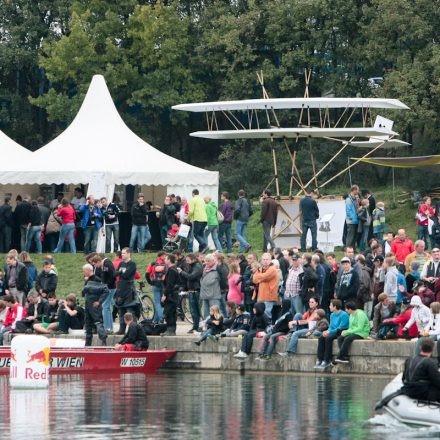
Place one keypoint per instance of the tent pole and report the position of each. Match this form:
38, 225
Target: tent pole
349, 171
394, 192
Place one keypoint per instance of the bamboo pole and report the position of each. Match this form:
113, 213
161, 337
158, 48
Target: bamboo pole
356, 162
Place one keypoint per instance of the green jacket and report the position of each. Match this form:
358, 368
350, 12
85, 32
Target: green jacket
197, 211
211, 213
358, 324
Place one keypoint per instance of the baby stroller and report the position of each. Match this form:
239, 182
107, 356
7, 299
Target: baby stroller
176, 238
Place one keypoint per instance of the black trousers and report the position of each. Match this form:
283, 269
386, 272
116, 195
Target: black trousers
93, 319
170, 315
344, 343
325, 347
65, 321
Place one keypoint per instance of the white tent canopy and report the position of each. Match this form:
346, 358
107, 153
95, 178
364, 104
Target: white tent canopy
98, 144
12, 153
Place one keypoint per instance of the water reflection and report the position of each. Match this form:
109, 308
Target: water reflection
193, 406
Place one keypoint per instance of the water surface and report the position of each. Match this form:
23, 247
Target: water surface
200, 406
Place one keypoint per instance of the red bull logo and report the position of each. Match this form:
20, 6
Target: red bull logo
41, 356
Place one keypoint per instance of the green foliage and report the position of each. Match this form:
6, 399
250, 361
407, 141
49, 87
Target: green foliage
155, 54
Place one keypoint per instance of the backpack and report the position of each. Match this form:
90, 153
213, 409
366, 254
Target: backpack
159, 272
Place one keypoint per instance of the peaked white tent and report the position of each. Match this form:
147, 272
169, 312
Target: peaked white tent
100, 150
12, 153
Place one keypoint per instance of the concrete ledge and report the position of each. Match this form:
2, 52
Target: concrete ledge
366, 356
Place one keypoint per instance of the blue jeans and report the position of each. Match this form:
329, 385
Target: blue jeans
194, 307
213, 230
269, 342
207, 303
207, 333
269, 306
158, 309
140, 234
314, 231
90, 239
107, 310
240, 234
109, 229
199, 234
296, 305
66, 229
34, 232
293, 343
423, 234
364, 237
225, 231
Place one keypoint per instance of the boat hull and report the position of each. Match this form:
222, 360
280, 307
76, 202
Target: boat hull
97, 360
408, 410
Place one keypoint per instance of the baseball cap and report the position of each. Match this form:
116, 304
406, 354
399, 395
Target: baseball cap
378, 258
345, 260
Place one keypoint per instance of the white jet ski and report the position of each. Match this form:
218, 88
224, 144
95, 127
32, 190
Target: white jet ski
408, 410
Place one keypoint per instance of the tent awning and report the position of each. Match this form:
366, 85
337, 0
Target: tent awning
428, 163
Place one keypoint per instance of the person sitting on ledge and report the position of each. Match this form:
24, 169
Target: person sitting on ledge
280, 328
338, 322
358, 328
214, 325
259, 323
392, 328
421, 379
240, 326
70, 315
134, 338
49, 321
301, 325
384, 309
37, 310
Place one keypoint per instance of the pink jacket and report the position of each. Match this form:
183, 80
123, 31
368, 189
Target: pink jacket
235, 294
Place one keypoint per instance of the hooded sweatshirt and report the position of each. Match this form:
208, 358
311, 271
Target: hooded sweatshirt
260, 320
390, 287
282, 323
420, 315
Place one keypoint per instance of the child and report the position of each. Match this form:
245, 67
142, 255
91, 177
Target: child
240, 326
214, 324
413, 276
364, 223
49, 323
321, 325
379, 224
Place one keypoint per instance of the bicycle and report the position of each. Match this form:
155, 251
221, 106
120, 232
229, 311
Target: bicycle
146, 304
183, 308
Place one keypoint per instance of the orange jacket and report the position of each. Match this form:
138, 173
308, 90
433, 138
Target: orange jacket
267, 281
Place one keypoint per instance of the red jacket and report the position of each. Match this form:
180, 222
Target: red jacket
67, 214
426, 211
401, 249
15, 313
401, 320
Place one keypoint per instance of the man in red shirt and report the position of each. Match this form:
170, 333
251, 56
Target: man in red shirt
426, 212
402, 246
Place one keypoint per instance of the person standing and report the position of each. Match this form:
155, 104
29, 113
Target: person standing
364, 219
212, 222
140, 233
170, 297
424, 215
268, 218
210, 289
401, 247
67, 214
95, 293
91, 223
266, 278
167, 217
293, 284
16, 277
105, 270
366, 195
351, 216
34, 228
21, 214
347, 285
110, 212
124, 295
78, 199
227, 210
309, 214
197, 215
242, 212
6, 224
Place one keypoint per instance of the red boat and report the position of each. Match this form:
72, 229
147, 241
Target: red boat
97, 360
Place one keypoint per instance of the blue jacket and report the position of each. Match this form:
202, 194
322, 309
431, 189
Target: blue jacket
351, 215
400, 281
85, 211
338, 322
